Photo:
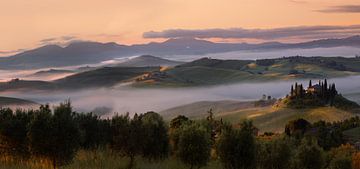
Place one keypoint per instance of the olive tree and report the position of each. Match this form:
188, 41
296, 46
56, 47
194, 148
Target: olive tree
194, 145
236, 147
54, 136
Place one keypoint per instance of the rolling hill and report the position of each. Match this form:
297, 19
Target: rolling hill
266, 118
101, 77
207, 71
16, 103
94, 52
202, 72
147, 61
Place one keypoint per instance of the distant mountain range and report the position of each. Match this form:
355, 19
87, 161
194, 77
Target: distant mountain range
93, 52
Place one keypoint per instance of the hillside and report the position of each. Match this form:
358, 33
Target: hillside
16, 103
209, 71
52, 72
199, 109
103, 77
266, 118
147, 61
202, 72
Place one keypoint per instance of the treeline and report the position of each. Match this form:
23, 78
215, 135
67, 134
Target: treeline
56, 135
320, 94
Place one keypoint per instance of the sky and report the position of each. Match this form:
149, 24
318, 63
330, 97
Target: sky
26, 24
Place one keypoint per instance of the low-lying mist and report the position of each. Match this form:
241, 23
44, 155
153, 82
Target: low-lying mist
126, 99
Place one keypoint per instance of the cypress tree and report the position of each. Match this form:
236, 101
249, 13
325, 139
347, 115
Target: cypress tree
325, 85
310, 83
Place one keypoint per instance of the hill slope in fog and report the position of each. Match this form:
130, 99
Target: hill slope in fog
202, 72
209, 71
16, 103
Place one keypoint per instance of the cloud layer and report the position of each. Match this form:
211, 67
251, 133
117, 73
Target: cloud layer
302, 32
342, 9
61, 41
10, 52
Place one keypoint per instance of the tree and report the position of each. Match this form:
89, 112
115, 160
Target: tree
175, 127
93, 130
156, 139
327, 135
178, 121
54, 136
236, 147
356, 161
13, 133
127, 136
297, 128
274, 154
341, 157
194, 146
309, 155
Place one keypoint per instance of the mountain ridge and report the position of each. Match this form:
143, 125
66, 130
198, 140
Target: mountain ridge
95, 52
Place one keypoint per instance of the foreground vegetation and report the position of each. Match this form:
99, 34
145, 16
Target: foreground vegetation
62, 138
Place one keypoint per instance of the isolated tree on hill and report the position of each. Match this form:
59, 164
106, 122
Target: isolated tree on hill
236, 148
156, 139
54, 136
194, 146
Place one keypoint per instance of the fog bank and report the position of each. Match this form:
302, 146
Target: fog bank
126, 99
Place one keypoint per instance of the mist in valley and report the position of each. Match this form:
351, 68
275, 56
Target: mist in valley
270, 54
123, 98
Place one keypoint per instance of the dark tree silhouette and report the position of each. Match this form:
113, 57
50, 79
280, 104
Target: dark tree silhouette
55, 136
194, 146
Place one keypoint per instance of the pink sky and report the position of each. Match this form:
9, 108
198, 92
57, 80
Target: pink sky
24, 23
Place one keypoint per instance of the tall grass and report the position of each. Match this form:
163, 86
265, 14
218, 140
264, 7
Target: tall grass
104, 159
